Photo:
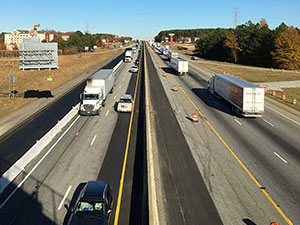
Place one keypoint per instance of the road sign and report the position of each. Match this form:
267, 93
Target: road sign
11, 79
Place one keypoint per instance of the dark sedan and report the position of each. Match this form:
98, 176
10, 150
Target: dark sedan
93, 206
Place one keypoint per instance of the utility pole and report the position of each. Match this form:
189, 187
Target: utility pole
236, 17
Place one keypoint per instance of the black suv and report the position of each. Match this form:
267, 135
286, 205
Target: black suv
93, 205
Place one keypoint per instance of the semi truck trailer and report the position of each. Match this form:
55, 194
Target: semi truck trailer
98, 86
128, 56
180, 65
246, 98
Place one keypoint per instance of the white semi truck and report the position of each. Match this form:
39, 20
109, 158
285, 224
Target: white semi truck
128, 56
246, 98
98, 86
180, 65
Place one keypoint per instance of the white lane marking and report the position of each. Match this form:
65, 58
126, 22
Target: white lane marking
39, 162
268, 122
115, 97
107, 113
123, 79
283, 115
93, 139
280, 157
64, 198
238, 122
120, 86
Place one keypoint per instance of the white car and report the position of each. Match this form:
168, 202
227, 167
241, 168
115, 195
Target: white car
125, 103
134, 69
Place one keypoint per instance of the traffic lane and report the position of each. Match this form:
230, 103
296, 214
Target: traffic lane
187, 198
37, 126
256, 153
67, 161
236, 202
111, 168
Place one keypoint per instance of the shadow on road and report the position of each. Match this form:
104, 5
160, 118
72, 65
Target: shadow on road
212, 101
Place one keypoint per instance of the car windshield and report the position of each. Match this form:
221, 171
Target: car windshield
125, 101
90, 97
90, 210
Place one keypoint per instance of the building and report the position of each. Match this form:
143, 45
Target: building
65, 37
16, 37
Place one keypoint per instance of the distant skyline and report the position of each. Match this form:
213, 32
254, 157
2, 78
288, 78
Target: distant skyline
142, 19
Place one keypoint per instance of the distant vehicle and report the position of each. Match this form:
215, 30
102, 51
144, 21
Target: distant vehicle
180, 65
93, 206
172, 54
134, 49
246, 98
137, 62
134, 69
194, 58
125, 103
98, 86
128, 56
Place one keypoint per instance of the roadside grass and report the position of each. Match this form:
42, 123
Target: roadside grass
290, 94
70, 66
251, 74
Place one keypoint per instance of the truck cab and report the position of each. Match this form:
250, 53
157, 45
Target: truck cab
91, 101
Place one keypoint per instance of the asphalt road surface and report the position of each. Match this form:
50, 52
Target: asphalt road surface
14, 145
82, 153
187, 200
267, 147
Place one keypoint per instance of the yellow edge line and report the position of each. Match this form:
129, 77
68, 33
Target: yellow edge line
236, 157
116, 220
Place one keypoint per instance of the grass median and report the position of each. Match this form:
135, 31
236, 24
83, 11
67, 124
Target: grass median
70, 66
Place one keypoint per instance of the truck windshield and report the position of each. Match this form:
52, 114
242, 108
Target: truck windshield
90, 96
90, 209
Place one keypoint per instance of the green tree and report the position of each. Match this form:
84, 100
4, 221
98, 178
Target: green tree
287, 52
232, 43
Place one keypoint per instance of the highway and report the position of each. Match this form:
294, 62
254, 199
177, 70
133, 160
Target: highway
89, 148
261, 158
222, 170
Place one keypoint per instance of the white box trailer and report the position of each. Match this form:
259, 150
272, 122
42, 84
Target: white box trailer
98, 86
246, 98
180, 65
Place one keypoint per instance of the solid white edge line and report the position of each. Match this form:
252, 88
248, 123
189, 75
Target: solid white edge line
283, 115
238, 122
107, 113
94, 139
31, 171
64, 198
280, 157
268, 122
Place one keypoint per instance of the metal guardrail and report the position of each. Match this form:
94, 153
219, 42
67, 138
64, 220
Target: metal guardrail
36, 149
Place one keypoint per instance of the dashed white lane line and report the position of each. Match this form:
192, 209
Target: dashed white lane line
283, 115
238, 122
93, 139
107, 113
120, 86
64, 198
268, 123
123, 79
115, 97
280, 157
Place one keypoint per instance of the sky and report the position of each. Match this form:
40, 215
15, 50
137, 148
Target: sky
142, 19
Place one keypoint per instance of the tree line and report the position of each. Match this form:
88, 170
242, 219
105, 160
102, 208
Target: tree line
249, 44
78, 41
